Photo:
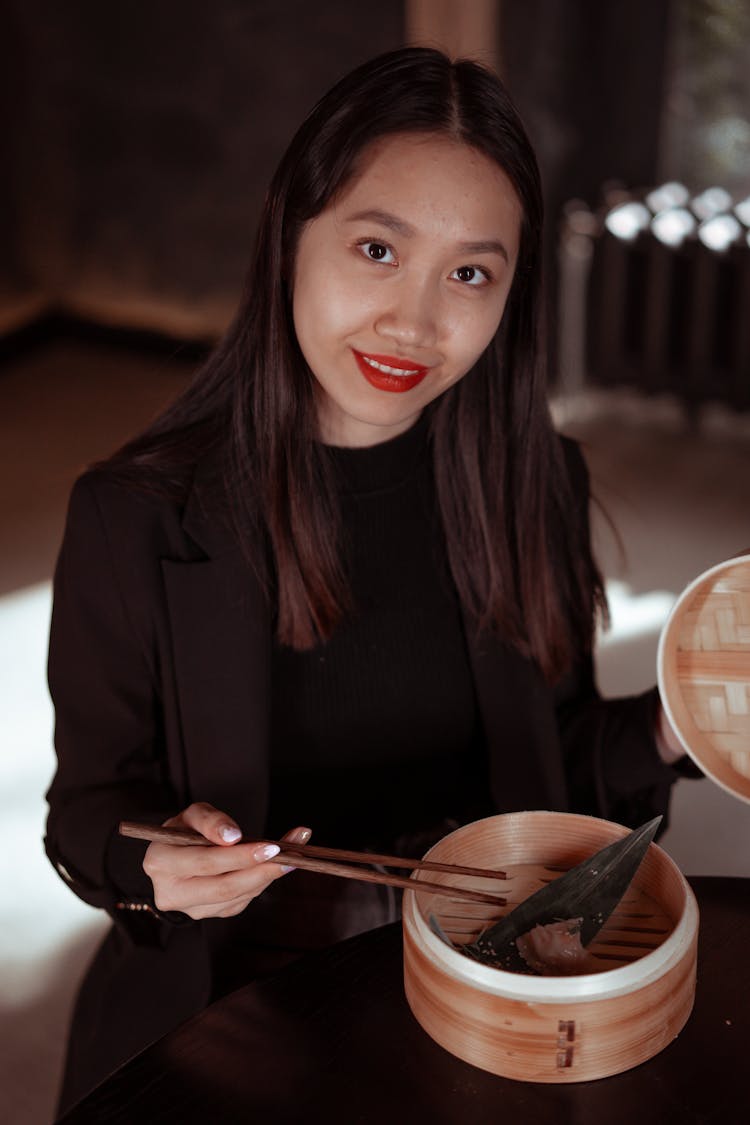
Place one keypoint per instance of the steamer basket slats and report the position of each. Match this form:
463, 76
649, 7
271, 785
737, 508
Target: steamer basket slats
553, 1029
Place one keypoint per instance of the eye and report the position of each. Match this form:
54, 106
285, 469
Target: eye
472, 275
377, 251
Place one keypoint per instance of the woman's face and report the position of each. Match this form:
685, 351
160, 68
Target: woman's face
400, 284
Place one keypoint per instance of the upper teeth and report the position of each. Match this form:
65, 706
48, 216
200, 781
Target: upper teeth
389, 370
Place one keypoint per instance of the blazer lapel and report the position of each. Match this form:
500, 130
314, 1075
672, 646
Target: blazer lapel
220, 627
517, 712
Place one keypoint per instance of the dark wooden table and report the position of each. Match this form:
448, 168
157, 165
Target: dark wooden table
331, 1039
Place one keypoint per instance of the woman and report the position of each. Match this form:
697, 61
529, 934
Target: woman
345, 579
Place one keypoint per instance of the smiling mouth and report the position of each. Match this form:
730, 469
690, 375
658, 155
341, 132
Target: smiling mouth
389, 370
387, 373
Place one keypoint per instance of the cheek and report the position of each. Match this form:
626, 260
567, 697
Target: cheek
473, 331
326, 305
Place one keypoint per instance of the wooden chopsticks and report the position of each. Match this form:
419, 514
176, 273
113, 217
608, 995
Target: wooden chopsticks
334, 861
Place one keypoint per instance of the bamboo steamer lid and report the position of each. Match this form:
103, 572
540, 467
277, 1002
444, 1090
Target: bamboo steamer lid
703, 667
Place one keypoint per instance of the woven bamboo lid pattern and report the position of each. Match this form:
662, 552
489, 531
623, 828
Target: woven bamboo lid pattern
704, 673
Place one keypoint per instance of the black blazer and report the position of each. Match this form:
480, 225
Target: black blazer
159, 669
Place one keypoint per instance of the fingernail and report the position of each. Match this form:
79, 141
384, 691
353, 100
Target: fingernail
229, 834
305, 835
286, 870
268, 851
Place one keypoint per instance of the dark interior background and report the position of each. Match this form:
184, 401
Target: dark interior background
137, 140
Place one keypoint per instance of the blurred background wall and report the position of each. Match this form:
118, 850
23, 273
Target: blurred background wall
136, 143
139, 140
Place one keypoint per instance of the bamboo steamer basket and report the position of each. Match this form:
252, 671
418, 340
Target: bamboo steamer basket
551, 1028
703, 665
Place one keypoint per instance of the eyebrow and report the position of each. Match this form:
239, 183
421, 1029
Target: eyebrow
406, 230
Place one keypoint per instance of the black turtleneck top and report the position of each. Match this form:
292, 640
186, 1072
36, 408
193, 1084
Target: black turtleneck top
375, 733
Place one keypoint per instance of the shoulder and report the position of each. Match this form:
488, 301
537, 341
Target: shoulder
109, 571
124, 489
129, 511
112, 497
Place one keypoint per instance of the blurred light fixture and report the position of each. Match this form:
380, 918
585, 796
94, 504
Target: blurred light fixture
666, 196
742, 211
673, 226
719, 232
628, 220
711, 201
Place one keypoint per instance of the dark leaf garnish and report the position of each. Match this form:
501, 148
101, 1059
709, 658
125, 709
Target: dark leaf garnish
590, 891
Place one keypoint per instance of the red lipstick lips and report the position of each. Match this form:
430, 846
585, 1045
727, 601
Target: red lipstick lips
375, 370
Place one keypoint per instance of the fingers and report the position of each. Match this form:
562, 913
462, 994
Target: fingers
221, 909
297, 835
667, 741
205, 895
200, 861
215, 825
216, 881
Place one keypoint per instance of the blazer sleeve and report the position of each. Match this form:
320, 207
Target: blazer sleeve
611, 759
107, 725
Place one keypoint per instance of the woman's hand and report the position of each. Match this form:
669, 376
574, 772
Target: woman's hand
215, 882
667, 743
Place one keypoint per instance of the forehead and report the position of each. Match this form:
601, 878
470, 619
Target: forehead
434, 181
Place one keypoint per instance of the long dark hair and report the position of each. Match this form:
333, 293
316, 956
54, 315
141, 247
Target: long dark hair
516, 539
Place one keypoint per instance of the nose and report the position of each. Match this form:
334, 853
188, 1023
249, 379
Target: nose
410, 318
